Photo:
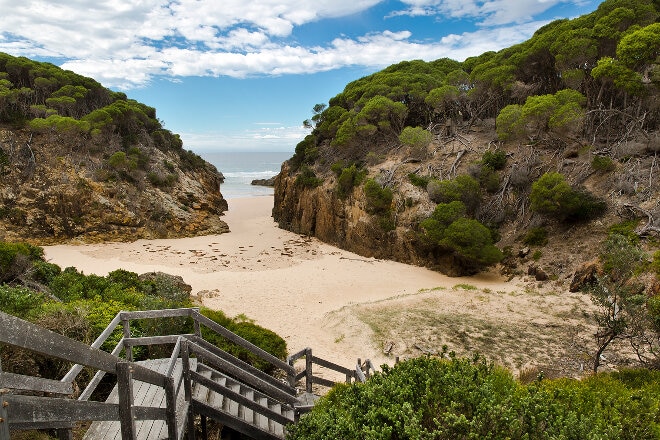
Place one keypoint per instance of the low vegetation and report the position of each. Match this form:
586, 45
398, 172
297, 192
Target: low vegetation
81, 306
432, 398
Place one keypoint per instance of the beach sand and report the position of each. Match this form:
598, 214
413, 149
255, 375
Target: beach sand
294, 285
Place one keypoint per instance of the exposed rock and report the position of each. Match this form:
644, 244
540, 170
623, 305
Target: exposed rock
60, 193
174, 280
538, 273
264, 182
585, 275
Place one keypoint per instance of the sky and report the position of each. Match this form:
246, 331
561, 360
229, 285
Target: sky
242, 75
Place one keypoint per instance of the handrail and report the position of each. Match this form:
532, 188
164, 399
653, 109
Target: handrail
308, 372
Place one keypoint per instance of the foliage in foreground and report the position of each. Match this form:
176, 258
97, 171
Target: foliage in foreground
430, 398
81, 306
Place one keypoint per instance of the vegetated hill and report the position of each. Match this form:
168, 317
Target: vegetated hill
546, 144
79, 161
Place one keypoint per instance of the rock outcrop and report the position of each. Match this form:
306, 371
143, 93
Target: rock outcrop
58, 190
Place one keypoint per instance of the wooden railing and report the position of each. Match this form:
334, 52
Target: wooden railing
32, 412
359, 373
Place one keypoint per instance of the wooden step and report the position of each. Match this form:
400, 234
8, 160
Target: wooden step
232, 406
200, 392
216, 400
259, 419
247, 413
273, 426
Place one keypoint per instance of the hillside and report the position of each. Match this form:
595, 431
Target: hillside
528, 156
81, 162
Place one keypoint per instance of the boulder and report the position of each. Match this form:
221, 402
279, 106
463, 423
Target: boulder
586, 275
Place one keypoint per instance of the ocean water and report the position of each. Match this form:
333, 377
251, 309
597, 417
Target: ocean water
241, 168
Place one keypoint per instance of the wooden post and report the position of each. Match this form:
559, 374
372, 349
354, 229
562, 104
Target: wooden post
4, 422
291, 375
308, 370
187, 387
127, 334
125, 390
170, 407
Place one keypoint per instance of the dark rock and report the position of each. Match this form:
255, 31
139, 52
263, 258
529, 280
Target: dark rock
264, 182
586, 275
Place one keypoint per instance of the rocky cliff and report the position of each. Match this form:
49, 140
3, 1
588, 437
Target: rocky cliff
58, 187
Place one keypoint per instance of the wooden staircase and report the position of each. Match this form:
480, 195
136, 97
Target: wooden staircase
160, 398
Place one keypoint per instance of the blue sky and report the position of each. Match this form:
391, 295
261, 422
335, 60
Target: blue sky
238, 75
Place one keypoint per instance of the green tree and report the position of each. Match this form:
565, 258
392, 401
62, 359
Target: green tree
552, 195
417, 139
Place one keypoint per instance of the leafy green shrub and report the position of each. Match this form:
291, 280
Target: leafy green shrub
602, 163
417, 139
349, 178
536, 237
307, 178
655, 264
496, 159
16, 259
625, 228
488, 179
463, 188
162, 180
470, 242
430, 398
553, 196
20, 301
420, 181
379, 200
259, 336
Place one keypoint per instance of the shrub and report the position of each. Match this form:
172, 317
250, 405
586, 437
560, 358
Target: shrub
496, 159
379, 200
536, 237
489, 179
463, 188
349, 178
16, 259
307, 178
420, 181
427, 398
553, 196
20, 301
602, 163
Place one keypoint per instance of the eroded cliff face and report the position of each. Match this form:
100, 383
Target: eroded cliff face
56, 190
319, 212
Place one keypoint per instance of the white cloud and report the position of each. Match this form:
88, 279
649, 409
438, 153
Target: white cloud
124, 43
486, 12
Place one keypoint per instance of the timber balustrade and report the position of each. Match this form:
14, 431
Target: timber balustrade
61, 412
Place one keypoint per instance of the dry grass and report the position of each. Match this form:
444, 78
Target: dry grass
525, 330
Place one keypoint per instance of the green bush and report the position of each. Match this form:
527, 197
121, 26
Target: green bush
489, 179
420, 181
536, 237
463, 188
625, 228
553, 196
259, 336
349, 178
471, 243
379, 200
496, 159
20, 301
16, 259
307, 178
602, 163
429, 398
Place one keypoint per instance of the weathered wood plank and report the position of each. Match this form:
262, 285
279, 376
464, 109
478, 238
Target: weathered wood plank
153, 340
19, 333
331, 365
27, 409
98, 342
21, 382
241, 375
250, 430
164, 313
243, 343
244, 365
322, 381
235, 396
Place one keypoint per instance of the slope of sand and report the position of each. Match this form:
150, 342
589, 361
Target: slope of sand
296, 286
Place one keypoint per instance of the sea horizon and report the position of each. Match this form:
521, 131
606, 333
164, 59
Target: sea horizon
240, 168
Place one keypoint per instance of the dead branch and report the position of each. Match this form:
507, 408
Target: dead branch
649, 226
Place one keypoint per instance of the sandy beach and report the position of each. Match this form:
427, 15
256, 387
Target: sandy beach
294, 285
